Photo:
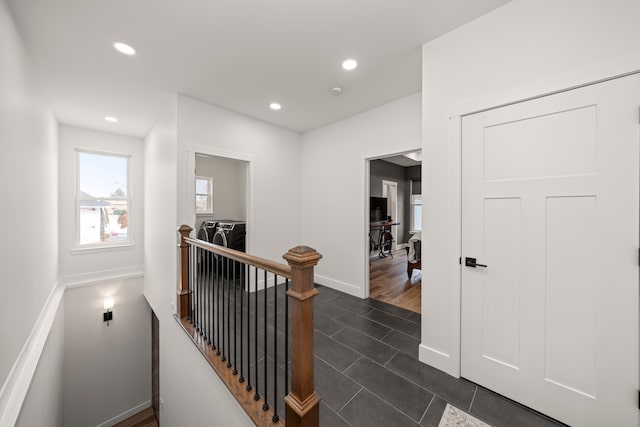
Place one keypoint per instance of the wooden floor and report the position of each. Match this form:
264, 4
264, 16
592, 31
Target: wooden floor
388, 281
145, 418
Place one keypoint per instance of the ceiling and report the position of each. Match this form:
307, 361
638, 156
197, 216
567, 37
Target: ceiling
238, 54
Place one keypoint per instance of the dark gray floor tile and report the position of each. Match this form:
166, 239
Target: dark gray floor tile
365, 345
364, 325
500, 412
326, 325
327, 294
395, 322
366, 410
455, 390
334, 353
434, 413
402, 342
334, 388
352, 305
404, 395
328, 309
415, 317
388, 308
329, 418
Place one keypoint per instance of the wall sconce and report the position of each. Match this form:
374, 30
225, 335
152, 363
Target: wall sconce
108, 305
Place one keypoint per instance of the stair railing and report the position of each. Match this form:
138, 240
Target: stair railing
252, 319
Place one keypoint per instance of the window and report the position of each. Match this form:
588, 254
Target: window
416, 212
102, 200
204, 188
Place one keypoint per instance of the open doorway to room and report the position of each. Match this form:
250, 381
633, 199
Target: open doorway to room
221, 200
395, 222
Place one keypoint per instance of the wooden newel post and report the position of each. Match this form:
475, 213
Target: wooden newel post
183, 285
302, 403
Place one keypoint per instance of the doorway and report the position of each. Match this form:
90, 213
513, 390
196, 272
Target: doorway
390, 214
549, 252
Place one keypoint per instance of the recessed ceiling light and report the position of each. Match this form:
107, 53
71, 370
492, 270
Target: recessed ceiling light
111, 119
349, 64
124, 48
275, 106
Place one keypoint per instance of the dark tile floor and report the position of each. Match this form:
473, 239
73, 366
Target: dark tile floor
367, 371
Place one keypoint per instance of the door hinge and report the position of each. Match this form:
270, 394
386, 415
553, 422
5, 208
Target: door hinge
460, 259
638, 399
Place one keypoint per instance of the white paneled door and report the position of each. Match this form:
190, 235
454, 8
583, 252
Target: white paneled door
550, 214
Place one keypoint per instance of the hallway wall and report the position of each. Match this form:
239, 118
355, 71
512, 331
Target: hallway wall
515, 47
28, 171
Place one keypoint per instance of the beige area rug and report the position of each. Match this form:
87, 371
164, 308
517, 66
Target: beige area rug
454, 417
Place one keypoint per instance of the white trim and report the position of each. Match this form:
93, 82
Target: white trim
215, 151
93, 249
15, 388
347, 288
123, 416
96, 277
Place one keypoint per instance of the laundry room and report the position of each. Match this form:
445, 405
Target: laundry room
221, 200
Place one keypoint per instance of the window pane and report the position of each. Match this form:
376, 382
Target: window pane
103, 176
417, 217
202, 186
202, 203
103, 222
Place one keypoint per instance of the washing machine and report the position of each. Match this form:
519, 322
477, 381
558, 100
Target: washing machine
231, 234
207, 230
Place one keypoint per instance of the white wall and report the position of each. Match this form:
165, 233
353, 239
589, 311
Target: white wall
85, 265
229, 189
192, 393
334, 186
273, 223
515, 46
29, 214
43, 404
107, 368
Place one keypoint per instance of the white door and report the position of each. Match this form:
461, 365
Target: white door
550, 206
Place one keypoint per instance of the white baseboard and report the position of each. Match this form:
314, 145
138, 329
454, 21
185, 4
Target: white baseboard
123, 416
15, 388
438, 360
347, 288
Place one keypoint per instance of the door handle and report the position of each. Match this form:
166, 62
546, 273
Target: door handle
471, 262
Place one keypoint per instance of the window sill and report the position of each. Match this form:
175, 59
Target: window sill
93, 249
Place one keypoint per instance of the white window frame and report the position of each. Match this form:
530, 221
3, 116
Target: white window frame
209, 195
79, 199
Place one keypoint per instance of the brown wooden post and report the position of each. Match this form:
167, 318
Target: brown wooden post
302, 403
183, 285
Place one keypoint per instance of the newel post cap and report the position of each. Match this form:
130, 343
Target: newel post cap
185, 229
302, 256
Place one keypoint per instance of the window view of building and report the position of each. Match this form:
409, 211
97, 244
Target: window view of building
102, 199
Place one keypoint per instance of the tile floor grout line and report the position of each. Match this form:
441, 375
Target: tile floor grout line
387, 362
427, 410
472, 399
347, 368
388, 403
349, 401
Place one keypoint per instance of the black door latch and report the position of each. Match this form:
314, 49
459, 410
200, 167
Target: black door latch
471, 262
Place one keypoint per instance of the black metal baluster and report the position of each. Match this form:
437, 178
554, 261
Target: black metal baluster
201, 299
224, 342
242, 281
228, 347
256, 396
190, 266
265, 405
286, 338
209, 286
196, 277
235, 325
212, 271
218, 310
247, 286
275, 417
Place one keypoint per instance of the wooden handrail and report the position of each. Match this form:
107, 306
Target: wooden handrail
265, 264
302, 403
